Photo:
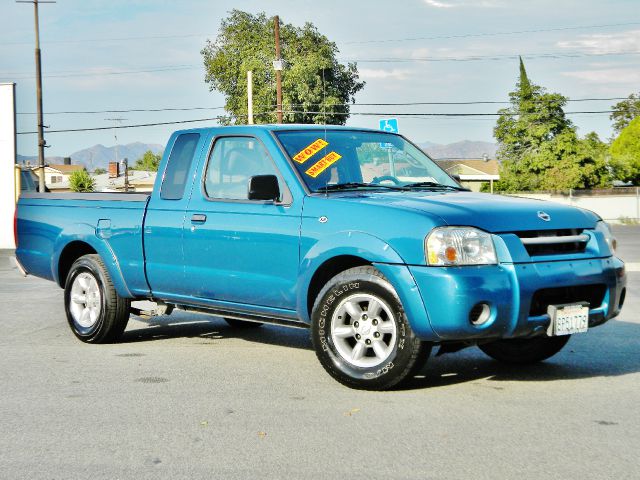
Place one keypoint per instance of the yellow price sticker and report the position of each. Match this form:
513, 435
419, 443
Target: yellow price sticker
308, 152
322, 164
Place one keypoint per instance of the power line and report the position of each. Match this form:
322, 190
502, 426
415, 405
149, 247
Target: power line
131, 110
75, 73
490, 34
353, 42
400, 104
471, 58
116, 39
416, 115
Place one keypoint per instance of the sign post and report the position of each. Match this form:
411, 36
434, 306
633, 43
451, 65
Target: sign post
389, 125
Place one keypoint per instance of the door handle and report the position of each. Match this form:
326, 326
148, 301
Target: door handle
198, 218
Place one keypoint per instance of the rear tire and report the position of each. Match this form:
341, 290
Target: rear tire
523, 351
242, 324
95, 311
361, 334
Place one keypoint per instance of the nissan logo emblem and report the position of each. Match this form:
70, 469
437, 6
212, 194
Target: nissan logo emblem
544, 216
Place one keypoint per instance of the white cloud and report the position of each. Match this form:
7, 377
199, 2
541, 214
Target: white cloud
463, 3
604, 42
606, 76
393, 74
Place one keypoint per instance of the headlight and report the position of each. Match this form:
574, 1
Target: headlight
459, 246
603, 228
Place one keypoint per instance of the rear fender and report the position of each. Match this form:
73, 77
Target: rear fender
84, 232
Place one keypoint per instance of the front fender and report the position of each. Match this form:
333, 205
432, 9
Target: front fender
357, 244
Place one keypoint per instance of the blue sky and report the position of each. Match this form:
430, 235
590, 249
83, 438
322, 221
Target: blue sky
120, 55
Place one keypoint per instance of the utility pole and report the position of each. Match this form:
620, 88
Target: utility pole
126, 174
277, 65
41, 142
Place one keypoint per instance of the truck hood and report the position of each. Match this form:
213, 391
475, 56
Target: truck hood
492, 213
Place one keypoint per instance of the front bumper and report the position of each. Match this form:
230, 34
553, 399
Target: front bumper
448, 294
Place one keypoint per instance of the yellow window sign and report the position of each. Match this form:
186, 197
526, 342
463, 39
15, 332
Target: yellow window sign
308, 152
322, 164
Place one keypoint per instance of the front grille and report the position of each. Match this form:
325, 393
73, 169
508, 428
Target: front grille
594, 294
554, 242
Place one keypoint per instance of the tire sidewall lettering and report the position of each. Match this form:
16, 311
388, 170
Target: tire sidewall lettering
323, 325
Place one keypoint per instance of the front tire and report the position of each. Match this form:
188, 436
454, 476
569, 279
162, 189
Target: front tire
523, 351
361, 334
95, 311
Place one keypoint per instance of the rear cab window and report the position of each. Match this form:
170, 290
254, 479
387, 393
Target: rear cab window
178, 166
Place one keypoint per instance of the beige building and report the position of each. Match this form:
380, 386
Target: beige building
473, 173
57, 174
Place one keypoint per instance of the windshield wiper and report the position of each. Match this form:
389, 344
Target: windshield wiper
357, 185
435, 186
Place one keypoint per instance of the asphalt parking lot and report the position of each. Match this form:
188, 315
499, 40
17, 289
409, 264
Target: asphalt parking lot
186, 396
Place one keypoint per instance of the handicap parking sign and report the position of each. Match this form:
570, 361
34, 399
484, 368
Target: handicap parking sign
388, 125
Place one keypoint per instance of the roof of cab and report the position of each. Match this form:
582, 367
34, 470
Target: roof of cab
274, 128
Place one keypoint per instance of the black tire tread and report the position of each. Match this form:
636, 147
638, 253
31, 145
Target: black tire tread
420, 350
117, 309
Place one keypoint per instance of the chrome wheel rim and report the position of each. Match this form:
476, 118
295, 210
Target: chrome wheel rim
364, 330
85, 301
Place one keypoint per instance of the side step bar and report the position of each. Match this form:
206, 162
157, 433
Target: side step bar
166, 309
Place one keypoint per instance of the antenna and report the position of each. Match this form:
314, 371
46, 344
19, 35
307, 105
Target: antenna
116, 122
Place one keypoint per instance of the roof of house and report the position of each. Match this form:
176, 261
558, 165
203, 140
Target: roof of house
470, 167
67, 169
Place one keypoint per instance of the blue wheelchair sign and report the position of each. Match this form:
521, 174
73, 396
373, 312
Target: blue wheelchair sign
388, 125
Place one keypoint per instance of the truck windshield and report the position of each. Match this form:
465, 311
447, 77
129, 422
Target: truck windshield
351, 159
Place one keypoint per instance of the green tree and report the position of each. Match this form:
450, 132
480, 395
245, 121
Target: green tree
625, 153
81, 181
538, 146
625, 111
99, 171
149, 162
312, 81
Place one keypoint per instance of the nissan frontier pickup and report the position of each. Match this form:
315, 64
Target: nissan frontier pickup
354, 234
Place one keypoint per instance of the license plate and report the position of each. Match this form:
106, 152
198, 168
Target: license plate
568, 319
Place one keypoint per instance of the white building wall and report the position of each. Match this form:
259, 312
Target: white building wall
612, 208
7, 163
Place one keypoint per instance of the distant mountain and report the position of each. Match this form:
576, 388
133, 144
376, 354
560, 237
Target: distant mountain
99, 156
462, 149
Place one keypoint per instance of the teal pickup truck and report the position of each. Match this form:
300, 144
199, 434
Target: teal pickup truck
355, 234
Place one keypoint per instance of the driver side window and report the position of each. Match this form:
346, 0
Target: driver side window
232, 162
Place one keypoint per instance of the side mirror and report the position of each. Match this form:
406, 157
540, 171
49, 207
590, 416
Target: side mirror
264, 187
456, 178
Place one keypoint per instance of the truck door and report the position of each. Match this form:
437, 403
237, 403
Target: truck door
239, 250
165, 215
